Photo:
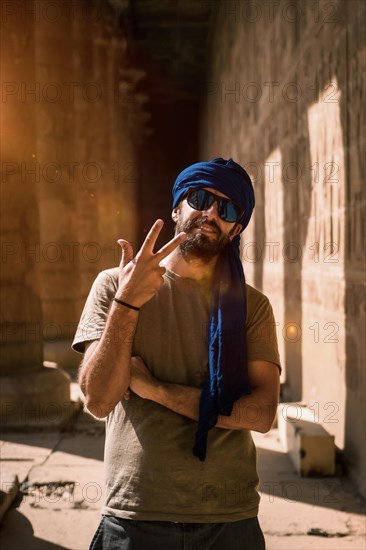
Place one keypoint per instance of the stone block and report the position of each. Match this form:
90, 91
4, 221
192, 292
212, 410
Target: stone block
38, 399
310, 447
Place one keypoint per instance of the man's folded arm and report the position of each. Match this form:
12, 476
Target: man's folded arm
251, 412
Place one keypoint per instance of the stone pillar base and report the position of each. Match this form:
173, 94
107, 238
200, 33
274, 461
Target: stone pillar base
36, 400
60, 352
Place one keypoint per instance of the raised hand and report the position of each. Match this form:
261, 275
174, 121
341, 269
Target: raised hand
141, 277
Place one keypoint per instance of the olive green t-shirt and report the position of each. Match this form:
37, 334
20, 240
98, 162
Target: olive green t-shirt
150, 471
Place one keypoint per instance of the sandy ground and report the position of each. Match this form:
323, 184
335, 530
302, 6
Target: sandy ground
61, 487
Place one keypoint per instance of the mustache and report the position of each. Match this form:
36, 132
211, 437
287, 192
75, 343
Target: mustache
203, 220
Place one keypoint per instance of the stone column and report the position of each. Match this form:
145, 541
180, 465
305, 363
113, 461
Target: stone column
101, 145
29, 393
122, 182
129, 131
113, 146
84, 146
105, 205
60, 168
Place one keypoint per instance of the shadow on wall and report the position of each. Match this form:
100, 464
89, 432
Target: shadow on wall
324, 292
331, 285
307, 140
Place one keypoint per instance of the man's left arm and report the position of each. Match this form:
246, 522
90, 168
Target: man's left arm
251, 412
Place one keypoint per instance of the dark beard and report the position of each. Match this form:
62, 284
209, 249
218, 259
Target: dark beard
198, 245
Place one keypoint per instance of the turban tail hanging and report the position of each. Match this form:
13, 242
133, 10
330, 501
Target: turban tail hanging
227, 347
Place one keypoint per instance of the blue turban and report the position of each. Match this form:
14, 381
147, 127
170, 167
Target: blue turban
227, 347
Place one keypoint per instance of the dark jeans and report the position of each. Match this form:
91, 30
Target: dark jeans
126, 534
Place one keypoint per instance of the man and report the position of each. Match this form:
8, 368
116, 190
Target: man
181, 356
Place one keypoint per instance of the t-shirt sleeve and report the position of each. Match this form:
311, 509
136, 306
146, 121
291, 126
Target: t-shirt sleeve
261, 330
94, 316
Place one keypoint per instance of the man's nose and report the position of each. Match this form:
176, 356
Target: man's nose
212, 211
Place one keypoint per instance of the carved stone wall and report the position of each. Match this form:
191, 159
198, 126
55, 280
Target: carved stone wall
285, 98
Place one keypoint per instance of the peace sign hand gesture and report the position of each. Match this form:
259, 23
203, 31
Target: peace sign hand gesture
141, 277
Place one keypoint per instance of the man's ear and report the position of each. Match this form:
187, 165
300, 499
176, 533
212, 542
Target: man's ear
175, 214
235, 231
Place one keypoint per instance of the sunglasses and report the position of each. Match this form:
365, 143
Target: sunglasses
228, 210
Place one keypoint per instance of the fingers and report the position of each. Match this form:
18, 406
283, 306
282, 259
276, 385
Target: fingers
127, 395
136, 360
147, 248
170, 246
151, 237
127, 251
